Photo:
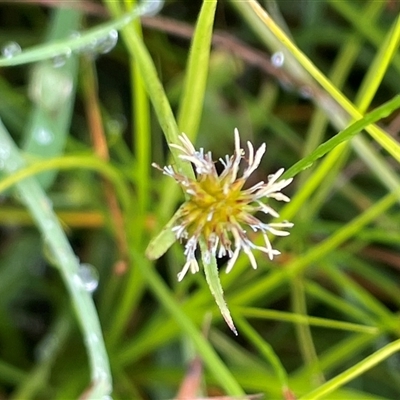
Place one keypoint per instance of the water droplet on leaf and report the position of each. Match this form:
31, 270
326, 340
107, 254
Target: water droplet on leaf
59, 60
89, 277
11, 49
152, 8
107, 43
75, 35
43, 136
5, 151
278, 59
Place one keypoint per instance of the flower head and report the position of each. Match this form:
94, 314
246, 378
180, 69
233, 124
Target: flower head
218, 209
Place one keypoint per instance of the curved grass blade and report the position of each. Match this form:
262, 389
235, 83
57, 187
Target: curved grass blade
370, 118
53, 90
76, 42
159, 245
214, 283
353, 372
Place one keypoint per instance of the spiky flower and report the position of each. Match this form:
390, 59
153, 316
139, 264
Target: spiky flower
218, 209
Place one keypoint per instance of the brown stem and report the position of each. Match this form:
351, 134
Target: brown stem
98, 138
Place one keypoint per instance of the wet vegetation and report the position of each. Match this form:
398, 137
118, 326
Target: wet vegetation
94, 92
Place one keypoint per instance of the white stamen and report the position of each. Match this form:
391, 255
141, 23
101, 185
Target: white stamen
274, 177
222, 251
227, 229
232, 261
168, 170
238, 150
250, 255
280, 197
251, 153
254, 188
267, 209
184, 270
179, 231
222, 161
190, 264
276, 232
254, 165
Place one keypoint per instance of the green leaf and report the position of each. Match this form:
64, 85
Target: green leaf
354, 371
75, 42
375, 115
53, 91
214, 283
159, 245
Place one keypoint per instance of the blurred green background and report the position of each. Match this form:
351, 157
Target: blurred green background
84, 116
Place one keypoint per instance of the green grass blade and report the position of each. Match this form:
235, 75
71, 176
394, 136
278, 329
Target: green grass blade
53, 91
266, 350
353, 372
385, 140
381, 112
214, 283
192, 98
86, 41
378, 68
71, 162
191, 103
53, 235
276, 278
154, 88
203, 347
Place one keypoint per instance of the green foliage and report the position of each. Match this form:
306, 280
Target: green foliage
82, 121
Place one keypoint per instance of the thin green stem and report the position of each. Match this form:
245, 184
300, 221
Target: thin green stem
54, 237
70, 162
353, 372
204, 349
386, 141
304, 335
265, 349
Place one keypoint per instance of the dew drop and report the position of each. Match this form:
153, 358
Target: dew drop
278, 59
89, 48
5, 151
152, 8
11, 49
43, 136
89, 277
75, 35
92, 339
107, 43
59, 60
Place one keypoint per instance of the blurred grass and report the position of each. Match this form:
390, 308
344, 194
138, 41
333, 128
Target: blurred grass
322, 320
